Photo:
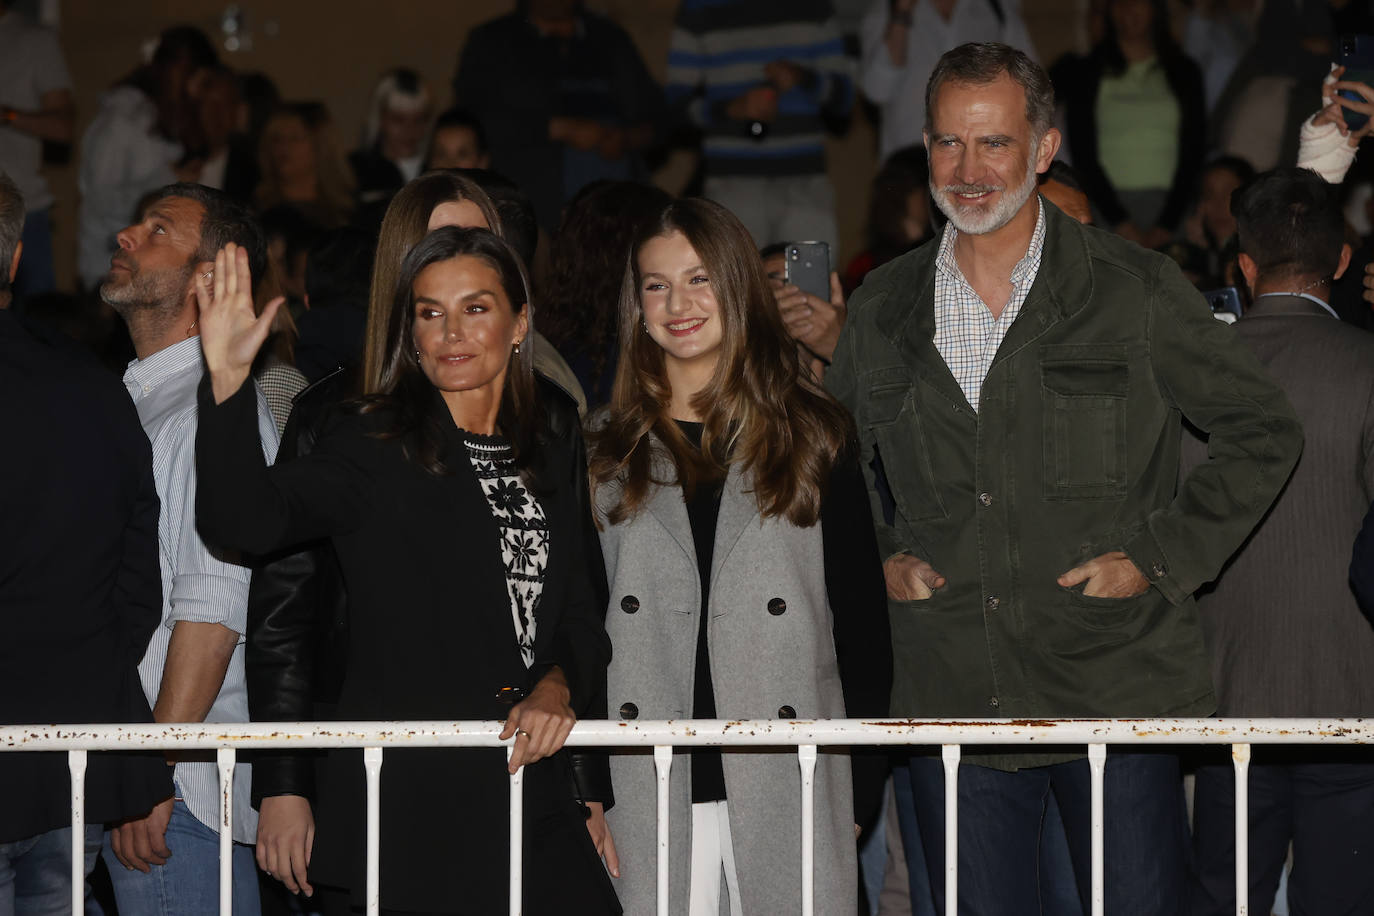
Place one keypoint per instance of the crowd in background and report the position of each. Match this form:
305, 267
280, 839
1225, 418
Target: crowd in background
546, 139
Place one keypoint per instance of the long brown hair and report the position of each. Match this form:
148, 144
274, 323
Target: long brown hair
405, 224
760, 409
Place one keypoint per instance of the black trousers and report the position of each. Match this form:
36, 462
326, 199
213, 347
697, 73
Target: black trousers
1322, 801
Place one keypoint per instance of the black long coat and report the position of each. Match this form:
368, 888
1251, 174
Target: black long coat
80, 592
430, 637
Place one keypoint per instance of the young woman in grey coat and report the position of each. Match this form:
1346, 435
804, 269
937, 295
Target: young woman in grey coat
744, 578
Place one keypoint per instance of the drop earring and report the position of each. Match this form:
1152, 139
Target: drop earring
517, 348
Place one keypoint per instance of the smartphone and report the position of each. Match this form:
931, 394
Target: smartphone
1357, 57
807, 267
1225, 303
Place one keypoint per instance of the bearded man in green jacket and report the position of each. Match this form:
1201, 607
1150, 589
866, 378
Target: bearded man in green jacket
1019, 387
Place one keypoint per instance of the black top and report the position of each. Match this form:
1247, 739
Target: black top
430, 637
80, 592
850, 552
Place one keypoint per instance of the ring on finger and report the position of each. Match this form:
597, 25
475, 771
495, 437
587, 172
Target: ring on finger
521, 731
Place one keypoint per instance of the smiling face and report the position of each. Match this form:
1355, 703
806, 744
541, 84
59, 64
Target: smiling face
156, 257
678, 302
464, 326
983, 154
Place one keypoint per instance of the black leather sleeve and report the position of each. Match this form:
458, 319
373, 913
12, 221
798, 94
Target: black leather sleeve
297, 624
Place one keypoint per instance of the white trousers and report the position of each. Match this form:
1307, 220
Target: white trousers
713, 858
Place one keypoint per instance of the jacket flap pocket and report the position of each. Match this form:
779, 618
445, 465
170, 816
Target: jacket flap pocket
887, 392
1085, 370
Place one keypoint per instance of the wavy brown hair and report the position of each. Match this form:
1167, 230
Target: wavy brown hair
405, 224
760, 410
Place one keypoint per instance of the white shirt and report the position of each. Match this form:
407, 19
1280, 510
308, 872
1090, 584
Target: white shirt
31, 65
901, 91
122, 159
966, 334
198, 584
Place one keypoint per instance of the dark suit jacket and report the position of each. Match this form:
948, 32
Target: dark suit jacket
79, 587
430, 637
1284, 632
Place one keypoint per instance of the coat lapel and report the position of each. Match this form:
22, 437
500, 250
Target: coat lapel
666, 504
738, 509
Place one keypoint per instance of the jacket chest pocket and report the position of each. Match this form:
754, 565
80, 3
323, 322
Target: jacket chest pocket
1084, 389
905, 460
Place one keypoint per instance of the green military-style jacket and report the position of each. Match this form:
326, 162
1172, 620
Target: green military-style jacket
1074, 452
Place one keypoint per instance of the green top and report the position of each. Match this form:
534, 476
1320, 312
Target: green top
1138, 122
1073, 452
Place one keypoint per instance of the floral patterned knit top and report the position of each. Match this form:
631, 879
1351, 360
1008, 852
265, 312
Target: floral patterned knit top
524, 531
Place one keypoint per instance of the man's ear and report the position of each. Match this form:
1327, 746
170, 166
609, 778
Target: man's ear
14, 261
1344, 262
1049, 148
1249, 269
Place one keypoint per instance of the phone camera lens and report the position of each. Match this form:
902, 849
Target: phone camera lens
794, 254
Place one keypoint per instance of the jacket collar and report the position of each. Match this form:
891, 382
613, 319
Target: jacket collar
1063, 286
1276, 305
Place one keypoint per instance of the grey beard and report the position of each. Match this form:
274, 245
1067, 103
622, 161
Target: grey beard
148, 304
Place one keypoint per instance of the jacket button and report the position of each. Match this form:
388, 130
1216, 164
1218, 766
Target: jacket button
994, 702
786, 712
1158, 571
985, 499
629, 711
777, 607
992, 602
629, 604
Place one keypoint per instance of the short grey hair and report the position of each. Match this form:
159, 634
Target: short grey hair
980, 63
11, 226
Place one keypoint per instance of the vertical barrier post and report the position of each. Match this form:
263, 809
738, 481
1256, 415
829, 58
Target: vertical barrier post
224, 758
806, 757
950, 755
517, 837
372, 766
663, 763
1240, 759
1097, 763
76, 762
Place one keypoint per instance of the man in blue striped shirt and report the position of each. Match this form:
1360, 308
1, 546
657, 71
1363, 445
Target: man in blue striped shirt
193, 669
760, 77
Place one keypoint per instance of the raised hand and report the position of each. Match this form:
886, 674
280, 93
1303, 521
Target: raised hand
230, 332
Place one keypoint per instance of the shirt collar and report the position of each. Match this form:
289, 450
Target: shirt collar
1308, 296
143, 375
1027, 264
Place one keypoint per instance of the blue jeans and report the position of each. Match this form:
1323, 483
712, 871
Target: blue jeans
189, 882
1001, 815
36, 873
36, 264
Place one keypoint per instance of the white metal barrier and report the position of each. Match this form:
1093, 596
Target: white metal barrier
949, 734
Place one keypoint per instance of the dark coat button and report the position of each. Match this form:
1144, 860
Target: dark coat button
629, 711
629, 604
777, 607
786, 712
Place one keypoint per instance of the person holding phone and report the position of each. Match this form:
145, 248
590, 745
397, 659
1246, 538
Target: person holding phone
744, 576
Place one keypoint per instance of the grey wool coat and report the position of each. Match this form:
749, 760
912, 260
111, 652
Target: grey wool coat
760, 662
